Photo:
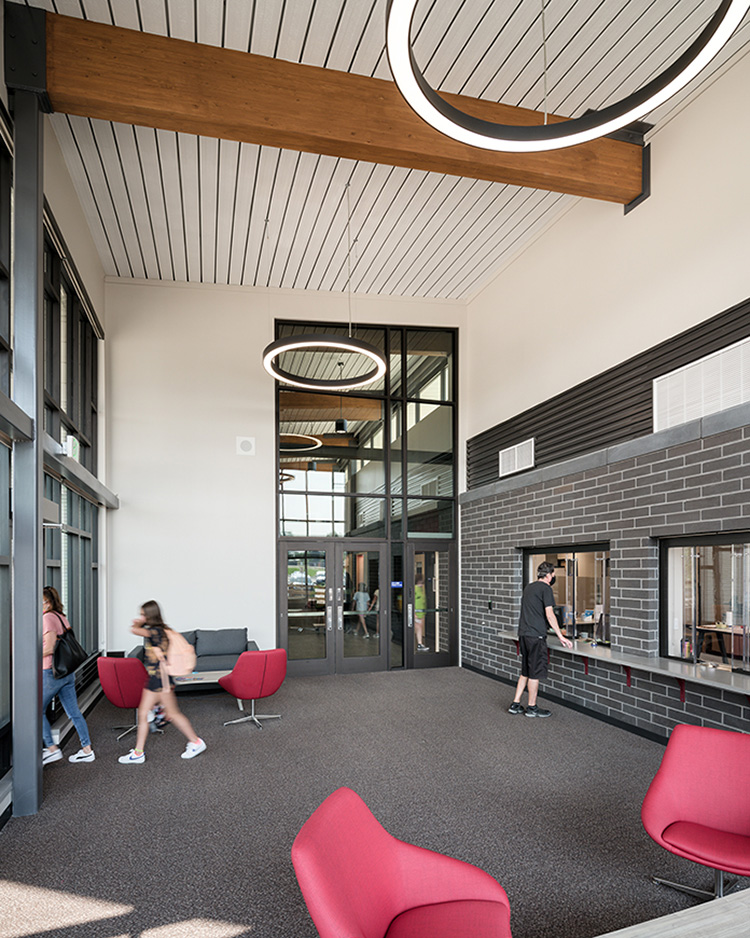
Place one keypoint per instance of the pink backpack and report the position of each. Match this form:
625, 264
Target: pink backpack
180, 657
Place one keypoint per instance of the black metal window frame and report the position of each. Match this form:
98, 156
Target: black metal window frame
70, 361
665, 544
389, 397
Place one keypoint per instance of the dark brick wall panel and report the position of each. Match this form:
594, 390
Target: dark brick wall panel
701, 486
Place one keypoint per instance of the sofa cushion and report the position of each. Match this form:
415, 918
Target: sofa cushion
189, 636
215, 662
220, 642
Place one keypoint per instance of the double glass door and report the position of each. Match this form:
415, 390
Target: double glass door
332, 606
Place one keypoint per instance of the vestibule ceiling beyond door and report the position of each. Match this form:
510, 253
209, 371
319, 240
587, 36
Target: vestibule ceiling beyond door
172, 206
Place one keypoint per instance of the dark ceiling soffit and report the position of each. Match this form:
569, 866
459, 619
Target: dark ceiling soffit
26, 51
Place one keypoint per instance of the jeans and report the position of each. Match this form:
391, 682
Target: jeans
65, 689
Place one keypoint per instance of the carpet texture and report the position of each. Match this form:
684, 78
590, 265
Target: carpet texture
173, 847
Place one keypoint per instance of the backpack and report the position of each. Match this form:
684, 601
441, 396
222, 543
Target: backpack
180, 657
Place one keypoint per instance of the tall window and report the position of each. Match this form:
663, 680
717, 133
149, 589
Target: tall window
5, 454
70, 361
705, 601
377, 461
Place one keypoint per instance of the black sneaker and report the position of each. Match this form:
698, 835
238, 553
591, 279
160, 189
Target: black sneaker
537, 712
516, 708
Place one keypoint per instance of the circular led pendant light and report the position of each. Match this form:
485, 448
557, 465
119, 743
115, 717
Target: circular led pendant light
454, 123
309, 342
298, 442
312, 341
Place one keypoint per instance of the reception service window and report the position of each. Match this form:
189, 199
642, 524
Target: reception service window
705, 601
581, 588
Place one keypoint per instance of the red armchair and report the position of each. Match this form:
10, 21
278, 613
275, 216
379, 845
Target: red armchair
359, 881
123, 680
698, 804
257, 674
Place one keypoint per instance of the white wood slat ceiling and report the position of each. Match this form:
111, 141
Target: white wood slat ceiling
172, 206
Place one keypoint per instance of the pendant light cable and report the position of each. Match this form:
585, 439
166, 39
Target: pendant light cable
349, 254
544, 55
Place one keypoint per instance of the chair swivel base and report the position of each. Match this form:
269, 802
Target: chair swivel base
720, 887
134, 726
253, 717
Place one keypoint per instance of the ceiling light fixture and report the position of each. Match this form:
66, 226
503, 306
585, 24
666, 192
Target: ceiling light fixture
298, 442
310, 342
460, 126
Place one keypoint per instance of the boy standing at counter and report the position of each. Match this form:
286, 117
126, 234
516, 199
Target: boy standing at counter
537, 615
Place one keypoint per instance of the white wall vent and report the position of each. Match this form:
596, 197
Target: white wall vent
713, 383
518, 457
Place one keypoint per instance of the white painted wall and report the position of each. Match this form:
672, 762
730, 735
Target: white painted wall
197, 525
600, 286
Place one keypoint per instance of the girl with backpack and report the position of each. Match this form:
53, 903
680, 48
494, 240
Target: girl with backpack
64, 688
159, 687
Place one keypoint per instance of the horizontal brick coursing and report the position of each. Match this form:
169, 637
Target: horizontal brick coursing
698, 487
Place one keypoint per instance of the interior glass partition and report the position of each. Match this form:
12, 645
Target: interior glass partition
705, 601
581, 589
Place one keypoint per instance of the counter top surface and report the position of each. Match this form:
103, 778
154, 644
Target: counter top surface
669, 667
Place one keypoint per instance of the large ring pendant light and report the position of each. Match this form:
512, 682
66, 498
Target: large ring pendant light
553, 136
310, 342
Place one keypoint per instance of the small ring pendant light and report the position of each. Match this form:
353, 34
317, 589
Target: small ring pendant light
535, 138
311, 342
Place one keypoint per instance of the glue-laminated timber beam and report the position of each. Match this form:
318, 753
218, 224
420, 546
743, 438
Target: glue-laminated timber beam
122, 75
302, 405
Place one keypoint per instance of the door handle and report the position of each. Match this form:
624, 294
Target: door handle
341, 618
329, 619
409, 616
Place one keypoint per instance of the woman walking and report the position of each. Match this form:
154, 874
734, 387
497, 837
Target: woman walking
54, 624
159, 687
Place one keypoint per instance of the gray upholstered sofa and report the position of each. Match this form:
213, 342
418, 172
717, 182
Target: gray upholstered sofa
215, 649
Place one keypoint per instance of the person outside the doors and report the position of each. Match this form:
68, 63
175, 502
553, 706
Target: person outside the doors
159, 687
54, 624
361, 602
420, 605
537, 615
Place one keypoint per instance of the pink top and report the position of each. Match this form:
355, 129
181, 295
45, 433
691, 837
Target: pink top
51, 623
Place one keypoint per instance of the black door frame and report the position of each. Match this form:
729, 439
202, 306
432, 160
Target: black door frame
335, 662
431, 659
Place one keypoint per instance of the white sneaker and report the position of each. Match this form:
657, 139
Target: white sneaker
193, 749
82, 756
132, 759
51, 755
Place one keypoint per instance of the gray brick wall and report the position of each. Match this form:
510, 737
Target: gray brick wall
693, 479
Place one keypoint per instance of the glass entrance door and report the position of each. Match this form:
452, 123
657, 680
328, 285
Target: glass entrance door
332, 607
431, 633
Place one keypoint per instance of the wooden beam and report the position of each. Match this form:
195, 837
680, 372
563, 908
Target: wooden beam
106, 72
302, 405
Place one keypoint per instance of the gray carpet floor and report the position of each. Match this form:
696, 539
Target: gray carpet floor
172, 848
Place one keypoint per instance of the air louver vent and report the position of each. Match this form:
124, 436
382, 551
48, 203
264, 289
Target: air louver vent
518, 457
716, 382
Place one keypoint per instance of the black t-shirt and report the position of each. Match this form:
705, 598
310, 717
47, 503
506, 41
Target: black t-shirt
536, 597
